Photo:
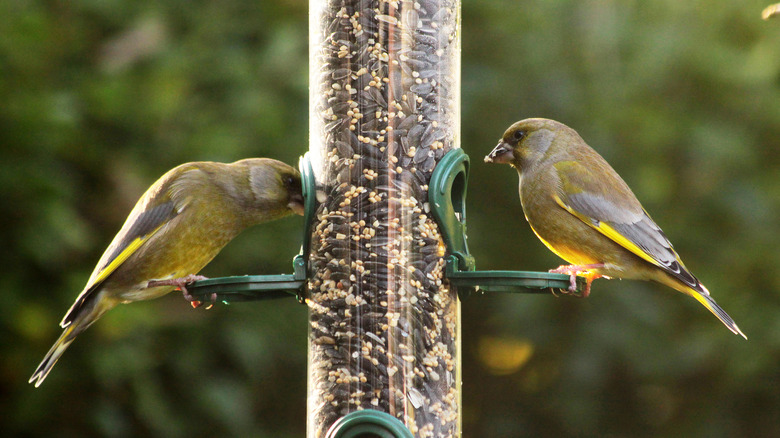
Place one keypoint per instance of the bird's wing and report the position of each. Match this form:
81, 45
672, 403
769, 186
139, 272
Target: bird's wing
621, 218
138, 229
156, 209
141, 228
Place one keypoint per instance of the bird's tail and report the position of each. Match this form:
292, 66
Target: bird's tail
706, 300
51, 358
89, 312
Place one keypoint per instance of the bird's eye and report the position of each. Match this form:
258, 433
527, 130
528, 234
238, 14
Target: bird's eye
518, 135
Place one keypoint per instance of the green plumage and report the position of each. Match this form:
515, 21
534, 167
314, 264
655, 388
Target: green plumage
182, 221
586, 214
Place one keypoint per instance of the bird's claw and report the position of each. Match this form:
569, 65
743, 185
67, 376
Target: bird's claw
195, 303
572, 291
181, 284
572, 271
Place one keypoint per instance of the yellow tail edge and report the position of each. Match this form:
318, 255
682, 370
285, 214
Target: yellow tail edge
716, 310
52, 356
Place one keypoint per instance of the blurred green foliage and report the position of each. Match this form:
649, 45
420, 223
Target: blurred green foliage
99, 98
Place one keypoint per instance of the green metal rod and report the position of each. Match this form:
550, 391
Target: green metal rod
524, 282
263, 287
246, 288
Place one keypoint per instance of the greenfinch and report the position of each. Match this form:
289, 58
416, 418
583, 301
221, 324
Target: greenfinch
582, 210
176, 228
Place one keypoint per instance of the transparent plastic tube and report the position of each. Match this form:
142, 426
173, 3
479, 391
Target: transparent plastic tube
384, 325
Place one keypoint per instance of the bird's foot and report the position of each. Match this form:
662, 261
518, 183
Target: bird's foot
573, 271
181, 284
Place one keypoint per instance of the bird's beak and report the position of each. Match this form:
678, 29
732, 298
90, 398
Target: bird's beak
296, 204
503, 153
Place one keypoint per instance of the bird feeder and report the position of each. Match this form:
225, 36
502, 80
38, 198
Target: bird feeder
384, 110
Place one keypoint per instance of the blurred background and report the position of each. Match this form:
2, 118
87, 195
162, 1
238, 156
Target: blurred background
100, 98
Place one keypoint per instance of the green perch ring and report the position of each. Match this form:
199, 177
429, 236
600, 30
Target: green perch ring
368, 423
447, 198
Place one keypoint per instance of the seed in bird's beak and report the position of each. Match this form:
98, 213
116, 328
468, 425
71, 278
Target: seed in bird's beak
501, 154
296, 205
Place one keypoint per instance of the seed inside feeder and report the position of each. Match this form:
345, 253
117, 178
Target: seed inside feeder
385, 108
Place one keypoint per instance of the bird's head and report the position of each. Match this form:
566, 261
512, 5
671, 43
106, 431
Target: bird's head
275, 185
525, 142
292, 182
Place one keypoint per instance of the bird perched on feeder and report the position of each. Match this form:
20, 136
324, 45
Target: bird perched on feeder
582, 210
176, 228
